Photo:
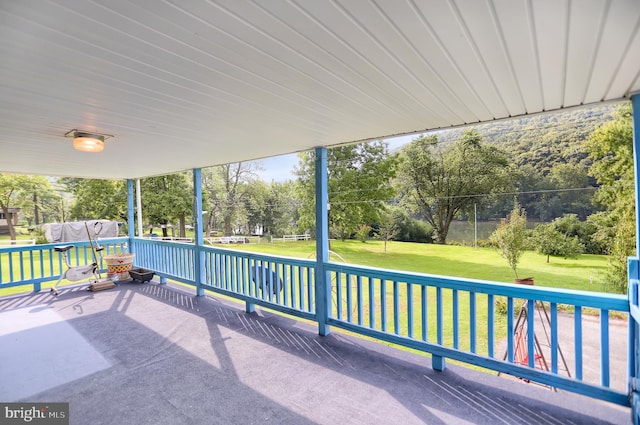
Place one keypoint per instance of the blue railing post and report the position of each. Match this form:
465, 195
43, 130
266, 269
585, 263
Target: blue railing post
130, 216
322, 281
634, 340
197, 228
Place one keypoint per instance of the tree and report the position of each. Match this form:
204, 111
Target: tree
611, 149
227, 188
281, 214
359, 184
39, 201
550, 240
387, 229
510, 236
362, 232
574, 179
439, 184
11, 187
97, 199
167, 198
255, 205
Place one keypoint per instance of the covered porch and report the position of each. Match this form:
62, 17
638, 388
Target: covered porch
215, 82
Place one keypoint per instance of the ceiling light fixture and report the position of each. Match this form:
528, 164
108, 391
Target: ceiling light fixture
87, 141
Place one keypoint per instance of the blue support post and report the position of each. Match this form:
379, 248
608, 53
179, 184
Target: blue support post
197, 228
130, 216
635, 102
634, 271
322, 281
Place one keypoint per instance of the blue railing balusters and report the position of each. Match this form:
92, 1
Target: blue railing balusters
310, 291
490, 326
410, 310
396, 308
440, 315
11, 267
510, 329
372, 303
472, 322
554, 337
359, 300
531, 337
383, 305
456, 319
577, 316
337, 278
604, 347
425, 312
31, 265
287, 285
349, 299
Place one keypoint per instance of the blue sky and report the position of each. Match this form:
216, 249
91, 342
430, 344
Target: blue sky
280, 168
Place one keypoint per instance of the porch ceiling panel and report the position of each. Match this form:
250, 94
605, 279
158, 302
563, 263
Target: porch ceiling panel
192, 84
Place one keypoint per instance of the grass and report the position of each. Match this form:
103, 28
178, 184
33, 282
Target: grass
581, 273
459, 261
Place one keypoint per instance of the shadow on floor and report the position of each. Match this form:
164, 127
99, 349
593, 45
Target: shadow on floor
160, 355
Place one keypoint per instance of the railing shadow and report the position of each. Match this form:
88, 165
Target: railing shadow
457, 394
204, 360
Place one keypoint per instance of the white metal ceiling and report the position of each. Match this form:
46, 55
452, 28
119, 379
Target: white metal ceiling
184, 84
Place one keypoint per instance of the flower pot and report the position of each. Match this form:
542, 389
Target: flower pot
118, 265
525, 281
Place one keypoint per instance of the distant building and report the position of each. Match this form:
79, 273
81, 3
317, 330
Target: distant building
4, 224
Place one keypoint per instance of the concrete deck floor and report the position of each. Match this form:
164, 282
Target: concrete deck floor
150, 353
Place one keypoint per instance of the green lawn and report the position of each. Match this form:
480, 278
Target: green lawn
459, 261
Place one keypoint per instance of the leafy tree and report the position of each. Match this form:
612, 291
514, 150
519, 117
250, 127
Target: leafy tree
167, 198
362, 232
11, 187
359, 185
611, 149
510, 236
227, 188
440, 184
573, 178
602, 233
281, 213
97, 199
256, 204
624, 245
550, 240
584, 231
387, 229
39, 201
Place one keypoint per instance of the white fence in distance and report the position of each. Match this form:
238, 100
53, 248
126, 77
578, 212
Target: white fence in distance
291, 238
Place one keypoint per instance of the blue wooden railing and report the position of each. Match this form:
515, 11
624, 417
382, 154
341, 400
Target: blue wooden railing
34, 264
424, 312
418, 311
245, 276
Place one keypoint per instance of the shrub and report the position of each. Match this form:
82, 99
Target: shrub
362, 233
510, 236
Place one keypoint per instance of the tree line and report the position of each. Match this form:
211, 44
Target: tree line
573, 170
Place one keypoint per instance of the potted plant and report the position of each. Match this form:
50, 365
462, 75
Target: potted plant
510, 238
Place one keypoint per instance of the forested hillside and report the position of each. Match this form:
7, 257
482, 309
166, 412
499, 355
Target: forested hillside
550, 165
542, 141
